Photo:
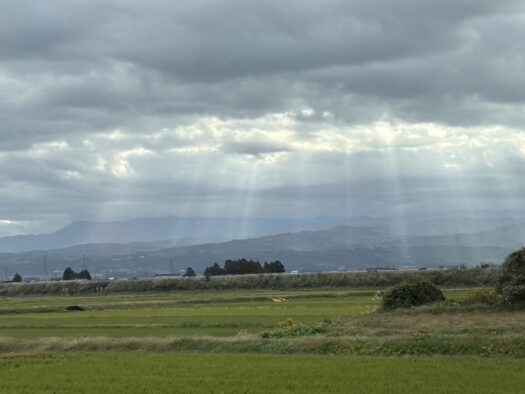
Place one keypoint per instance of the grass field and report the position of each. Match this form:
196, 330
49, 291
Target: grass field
343, 322
195, 314
212, 313
213, 342
230, 373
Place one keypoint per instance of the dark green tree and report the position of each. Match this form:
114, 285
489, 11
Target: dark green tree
17, 278
189, 272
214, 270
84, 274
274, 267
511, 283
68, 274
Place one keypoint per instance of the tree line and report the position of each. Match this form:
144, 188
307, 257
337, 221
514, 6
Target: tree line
243, 267
69, 274
468, 277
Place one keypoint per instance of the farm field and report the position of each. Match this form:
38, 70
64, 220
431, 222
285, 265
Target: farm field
223, 342
211, 313
231, 373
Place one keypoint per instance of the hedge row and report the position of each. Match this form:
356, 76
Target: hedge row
451, 277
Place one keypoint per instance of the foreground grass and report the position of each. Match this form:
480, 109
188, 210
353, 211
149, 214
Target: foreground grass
196, 373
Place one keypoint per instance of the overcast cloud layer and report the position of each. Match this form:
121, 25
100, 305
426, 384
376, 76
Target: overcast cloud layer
119, 109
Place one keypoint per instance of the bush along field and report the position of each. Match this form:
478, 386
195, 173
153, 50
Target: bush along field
454, 277
407, 333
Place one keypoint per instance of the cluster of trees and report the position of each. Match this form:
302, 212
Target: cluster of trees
190, 272
511, 282
275, 267
69, 274
243, 266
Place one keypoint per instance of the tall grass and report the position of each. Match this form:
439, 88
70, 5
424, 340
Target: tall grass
416, 345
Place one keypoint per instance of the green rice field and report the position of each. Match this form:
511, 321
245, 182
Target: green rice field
221, 342
211, 313
230, 373
194, 314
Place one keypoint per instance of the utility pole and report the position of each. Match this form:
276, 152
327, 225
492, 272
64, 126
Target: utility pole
171, 265
44, 265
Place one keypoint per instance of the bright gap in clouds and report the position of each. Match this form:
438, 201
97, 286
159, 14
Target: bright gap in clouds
279, 166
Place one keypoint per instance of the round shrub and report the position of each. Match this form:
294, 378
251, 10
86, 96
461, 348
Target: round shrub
511, 283
413, 292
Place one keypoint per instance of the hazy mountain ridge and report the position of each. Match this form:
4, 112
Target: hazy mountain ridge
198, 230
459, 225
339, 247
511, 235
86, 232
182, 230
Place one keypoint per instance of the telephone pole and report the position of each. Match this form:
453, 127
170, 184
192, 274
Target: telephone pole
44, 265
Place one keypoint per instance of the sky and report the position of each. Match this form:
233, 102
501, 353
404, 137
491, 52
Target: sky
122, 109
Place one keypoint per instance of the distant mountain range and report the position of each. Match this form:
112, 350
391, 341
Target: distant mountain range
172, 244
179, 230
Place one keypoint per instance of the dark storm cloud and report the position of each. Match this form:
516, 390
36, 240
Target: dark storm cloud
396, 49
197, 101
